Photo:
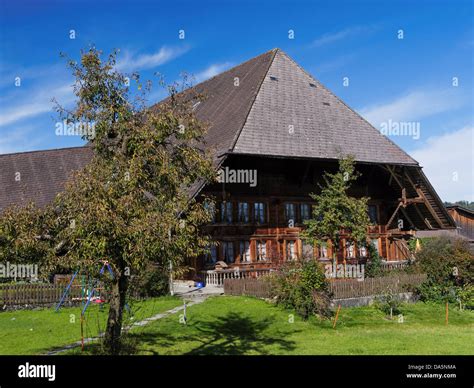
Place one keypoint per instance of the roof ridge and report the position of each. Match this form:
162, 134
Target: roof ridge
347, 106
229, 70
454, 206
237, 135
37, 151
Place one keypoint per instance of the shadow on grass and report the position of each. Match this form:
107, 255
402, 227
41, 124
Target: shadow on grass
233, 334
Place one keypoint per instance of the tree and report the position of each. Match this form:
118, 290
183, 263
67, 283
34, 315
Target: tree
335, 212
23, 236
131, 205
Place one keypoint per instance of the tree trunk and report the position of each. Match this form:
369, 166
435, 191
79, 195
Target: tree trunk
114, 321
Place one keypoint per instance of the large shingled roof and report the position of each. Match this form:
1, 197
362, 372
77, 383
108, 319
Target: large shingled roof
270, 106
250, 109
39, 175
294, 115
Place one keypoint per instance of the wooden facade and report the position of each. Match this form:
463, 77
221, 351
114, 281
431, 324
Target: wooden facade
464, 219
259, 227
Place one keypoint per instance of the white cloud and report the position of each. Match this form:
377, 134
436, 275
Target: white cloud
130, 62
39, 102
413, 106
8, 73
211, 71
160, 93
330, 38
448, 162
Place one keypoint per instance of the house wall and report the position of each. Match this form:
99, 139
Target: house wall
280, 182
465, 221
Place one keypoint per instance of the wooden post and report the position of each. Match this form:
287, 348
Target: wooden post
82, 333
337, 315
447, 313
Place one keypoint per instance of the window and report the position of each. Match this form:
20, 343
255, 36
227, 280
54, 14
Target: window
226, 212
211, 256
323, 251
375, 244
243, 214
305, 212
261, 250
373, 214
259, 212
291, 250
290, 213
350, 250
308, 252
228, 251
245, 251
363, 251
211, 209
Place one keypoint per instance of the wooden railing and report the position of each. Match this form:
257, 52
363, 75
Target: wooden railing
217, 277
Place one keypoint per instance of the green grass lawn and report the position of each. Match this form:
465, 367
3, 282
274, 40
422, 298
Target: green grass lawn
239, 325
37, 331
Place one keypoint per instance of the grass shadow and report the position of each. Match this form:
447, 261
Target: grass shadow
236, 334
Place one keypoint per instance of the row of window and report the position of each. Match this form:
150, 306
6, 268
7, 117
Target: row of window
226, 212
230, 251
259, 212
229, 255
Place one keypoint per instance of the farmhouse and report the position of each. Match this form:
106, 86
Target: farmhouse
272, 119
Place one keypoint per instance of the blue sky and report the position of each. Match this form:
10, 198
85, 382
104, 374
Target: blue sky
409, 81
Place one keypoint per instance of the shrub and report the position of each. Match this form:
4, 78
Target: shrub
301, 285
389, 302
152, 282
466, 296
374, 265
449, 266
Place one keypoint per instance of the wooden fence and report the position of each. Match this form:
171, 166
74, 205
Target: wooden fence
247, 286
394, 265
340, 289
352, 288
37, 294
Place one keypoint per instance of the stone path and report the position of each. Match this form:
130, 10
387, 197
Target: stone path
191, 295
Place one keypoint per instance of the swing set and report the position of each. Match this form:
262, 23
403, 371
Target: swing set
85, 302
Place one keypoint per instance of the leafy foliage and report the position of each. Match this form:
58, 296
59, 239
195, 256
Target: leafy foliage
335, 211
130, 206
389, 303
374, 265
25, 236
466, 296
301, 285
449, 265
150, 283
